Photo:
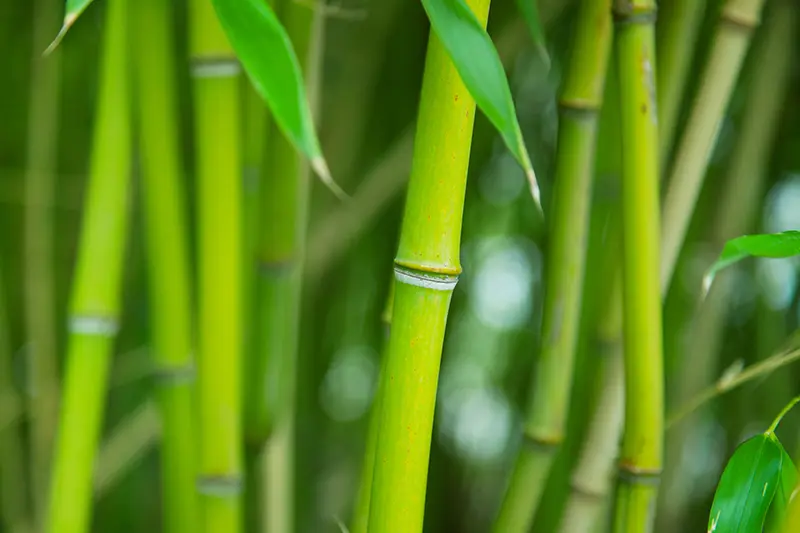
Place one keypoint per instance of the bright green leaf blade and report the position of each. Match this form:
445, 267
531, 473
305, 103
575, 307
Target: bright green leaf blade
747, 487
479, 66
773, 245
266, 52
530, 11
783, 494
73, 11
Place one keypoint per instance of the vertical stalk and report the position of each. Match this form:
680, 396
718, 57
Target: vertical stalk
363, 498
642, 442
216, 83
40, 307
95, 305
426, 271
168, 261
580, 102
676, 35
737, 21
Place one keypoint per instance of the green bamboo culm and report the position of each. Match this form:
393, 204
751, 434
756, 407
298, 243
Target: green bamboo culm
216, 81
426, 271
95, 303
580, 102
167, 259
737, 21
360, 520
642, 441
40, 300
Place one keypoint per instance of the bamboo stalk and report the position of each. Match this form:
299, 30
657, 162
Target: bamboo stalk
580, 103
168, 260
40, 308
216, 83
360, 520
95, 305
676, 35
426, 271
737, 21
642, 442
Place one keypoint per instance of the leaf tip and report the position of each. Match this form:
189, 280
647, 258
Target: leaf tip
708, 279
321, 169
69, 20
534, 186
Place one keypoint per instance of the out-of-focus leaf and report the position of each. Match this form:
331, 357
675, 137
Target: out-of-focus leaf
530, 11
783, 495
73, 11
476, 60
773, 245
747, 486
266, 52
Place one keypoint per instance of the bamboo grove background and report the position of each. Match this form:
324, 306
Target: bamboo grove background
505, 414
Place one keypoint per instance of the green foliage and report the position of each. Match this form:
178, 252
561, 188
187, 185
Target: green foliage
772, 245
73, 11
476, 60
530, 11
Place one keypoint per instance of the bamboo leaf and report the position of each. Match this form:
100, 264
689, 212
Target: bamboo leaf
73, 11
530, 11
783, 494
747, 486
772, 245
479, 66
267, 55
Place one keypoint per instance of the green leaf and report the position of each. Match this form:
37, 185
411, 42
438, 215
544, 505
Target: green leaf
747, 487
74, 10
479, 66
786, 485
530, 11
773, 245
266, 52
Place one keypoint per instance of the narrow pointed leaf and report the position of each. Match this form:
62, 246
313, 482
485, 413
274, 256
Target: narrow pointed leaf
267, 55
747, 487
783, 494
772, 245
530, 11
73, 11
479, 66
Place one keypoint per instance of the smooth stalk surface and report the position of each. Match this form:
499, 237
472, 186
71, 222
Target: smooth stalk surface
216, 83
95, 305
580, 102
737, 21
426, 271
167, 260
642, 442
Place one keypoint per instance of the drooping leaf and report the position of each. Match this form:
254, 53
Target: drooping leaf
530, 11
747, 487
476, 60
73, 11
786, 485
267, 55
772, 245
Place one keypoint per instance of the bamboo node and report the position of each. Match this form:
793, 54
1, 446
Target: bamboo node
739, 19
276, 267
437, 282
166, 376
633, 475
645, 15
94, 325
587, 493
215, 67
580, 107
549, 444
221, 486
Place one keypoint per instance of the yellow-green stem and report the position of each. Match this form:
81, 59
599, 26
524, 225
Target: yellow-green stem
216, 82
95, 304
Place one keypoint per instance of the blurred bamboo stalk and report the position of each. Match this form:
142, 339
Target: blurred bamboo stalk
580, 102
95, 305
216, 81
642, 442
676, 36
738, 206
737, 21
40, 302
167, 260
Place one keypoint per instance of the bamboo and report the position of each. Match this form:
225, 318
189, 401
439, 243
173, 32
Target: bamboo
737, 21
580, 103
167, 260
360, 520
641, 455
95, 304
40, 308
216, 83
426, 271
676, 35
